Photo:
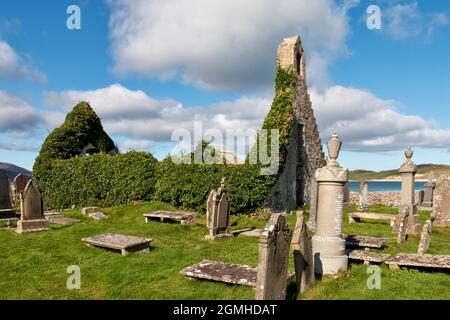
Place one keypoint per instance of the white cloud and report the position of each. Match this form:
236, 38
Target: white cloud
17, 117
368, 123
402, 21
14, 66
223, 44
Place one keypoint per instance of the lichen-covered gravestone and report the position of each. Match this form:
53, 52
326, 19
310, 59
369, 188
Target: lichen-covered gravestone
218, 213
303, 257
441, 202
6, 210
425, 237
32, 218
274, 243
363, 196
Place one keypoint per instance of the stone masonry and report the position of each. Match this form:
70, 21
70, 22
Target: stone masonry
304, 154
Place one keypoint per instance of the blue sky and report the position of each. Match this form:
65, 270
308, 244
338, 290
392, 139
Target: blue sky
150, 67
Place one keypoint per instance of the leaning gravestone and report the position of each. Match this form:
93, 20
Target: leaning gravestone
218, 213
425, 237
363, 196
402, 225
273, 261
303, 257
441, 202
32, 218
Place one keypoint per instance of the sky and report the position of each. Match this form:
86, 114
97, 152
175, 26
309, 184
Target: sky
150, 68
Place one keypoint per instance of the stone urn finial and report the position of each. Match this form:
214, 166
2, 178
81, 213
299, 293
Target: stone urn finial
334, 146
223, 182
409, 153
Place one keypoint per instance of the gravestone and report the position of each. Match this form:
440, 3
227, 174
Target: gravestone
428, 192
441, 205
313, 206
303, 257
21, 182
425, 237
274, 243
32, 218
218, 213
119, 242
363, 196
407, 194
403, 226
346, 194
6, 210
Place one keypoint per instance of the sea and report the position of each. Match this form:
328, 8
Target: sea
383, 185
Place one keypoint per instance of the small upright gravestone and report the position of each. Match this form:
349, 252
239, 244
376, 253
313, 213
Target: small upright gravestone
6, 211
303, 257
218, 213
32, 218
363, 196
441, 205
274, 243
428, 192
21, 182
425, 237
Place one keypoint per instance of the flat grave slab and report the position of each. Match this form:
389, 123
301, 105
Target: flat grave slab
123, 243
222, 272
249, 232
186, 218
365, 241
419, 260
357, 216
368, 257
62, 220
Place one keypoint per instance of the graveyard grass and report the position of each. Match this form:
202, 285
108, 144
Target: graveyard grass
34, 265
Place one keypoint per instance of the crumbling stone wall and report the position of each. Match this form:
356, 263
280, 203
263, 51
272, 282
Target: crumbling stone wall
304, 152
387, 198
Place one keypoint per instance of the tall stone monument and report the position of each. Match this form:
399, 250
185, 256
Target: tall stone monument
363, 196
6, 210
32, 218
408, 171
327, 243
428, 192
274, 243
218, 213
441, 206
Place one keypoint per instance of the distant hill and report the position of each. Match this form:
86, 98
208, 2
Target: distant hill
422, 173
12, 170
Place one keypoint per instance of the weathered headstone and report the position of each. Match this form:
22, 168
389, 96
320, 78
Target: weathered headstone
428, 192
218, 213
274, 243
425, 237
408, 171
346, 194
403, 226
441, 205
313, 206
21, 182
363, 196
303, 257
328, 243
32, 218
5, 201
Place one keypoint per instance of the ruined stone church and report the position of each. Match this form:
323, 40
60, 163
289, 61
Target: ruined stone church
296, 184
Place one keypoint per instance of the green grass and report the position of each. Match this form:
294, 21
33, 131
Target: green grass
34, 265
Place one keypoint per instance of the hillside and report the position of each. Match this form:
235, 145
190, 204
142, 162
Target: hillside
422, 173
12, 170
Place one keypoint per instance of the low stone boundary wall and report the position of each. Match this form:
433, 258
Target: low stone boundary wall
387, 198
